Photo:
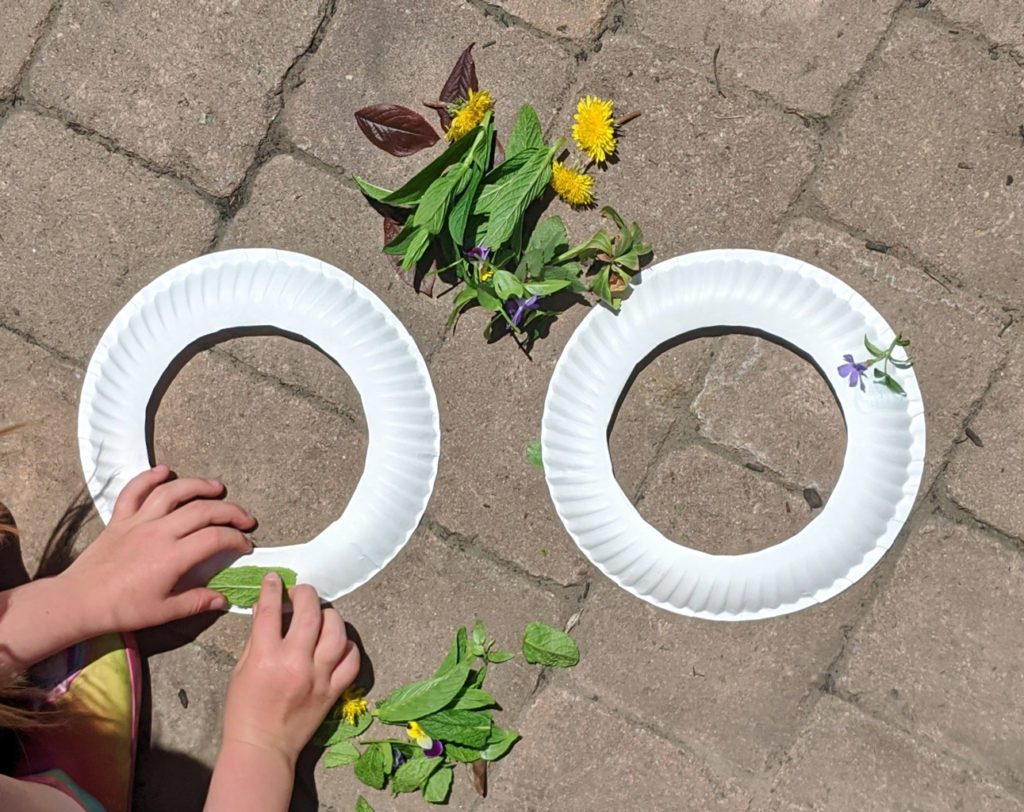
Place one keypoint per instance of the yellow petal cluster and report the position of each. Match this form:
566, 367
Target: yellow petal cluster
594, 130
470, 114
573, 186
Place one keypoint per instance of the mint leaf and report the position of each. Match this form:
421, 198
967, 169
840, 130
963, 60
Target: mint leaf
466, 727
500, 656
456, 654
436, 790
548, 646
464, 755
506, 285
479, 632
533, 456
341, 753
411, 775
549, 238
473, 699
526, 132
507, 199
335, 729
499, 744
362, 805
423, 698
240, 586
370, 767
430, 214
412, 191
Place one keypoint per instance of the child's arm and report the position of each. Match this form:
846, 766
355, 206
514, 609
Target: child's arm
280, 692
126, 579
29, 796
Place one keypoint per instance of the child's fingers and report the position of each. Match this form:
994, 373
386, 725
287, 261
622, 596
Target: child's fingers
304, 630
347, 670
135, 492
205, 512
266, 626
210, 541
196, 601
167, 496
331, 646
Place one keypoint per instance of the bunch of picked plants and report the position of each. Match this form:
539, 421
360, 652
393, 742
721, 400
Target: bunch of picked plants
472, 217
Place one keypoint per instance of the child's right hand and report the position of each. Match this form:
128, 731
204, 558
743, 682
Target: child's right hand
284, 684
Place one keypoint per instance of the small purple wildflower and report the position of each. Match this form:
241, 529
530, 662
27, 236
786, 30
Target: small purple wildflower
436, 749
478, 253
399, 758
854, 370
518, 308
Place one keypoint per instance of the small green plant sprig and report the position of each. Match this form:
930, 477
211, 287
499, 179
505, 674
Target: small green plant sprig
429, 727
472, 216
856, 371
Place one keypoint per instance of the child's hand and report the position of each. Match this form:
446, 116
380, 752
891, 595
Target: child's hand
160, 529
284, 685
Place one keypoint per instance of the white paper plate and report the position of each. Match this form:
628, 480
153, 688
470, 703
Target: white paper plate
753, 290
301, 295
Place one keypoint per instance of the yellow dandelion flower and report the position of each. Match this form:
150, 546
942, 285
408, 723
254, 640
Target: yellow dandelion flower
469, 114
574, 187
353, 705
594, 130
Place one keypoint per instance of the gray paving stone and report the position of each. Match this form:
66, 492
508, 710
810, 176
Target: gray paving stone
733, 691
491, 398
191, 88
562, 18
797, 428
696, 171
407, 616
846, 760
39, 469
938, 654
23, 25
944, 196
296, 207
91, 228
799, 53
401, 53
1000, 20
633, 768
988, 481
700, 500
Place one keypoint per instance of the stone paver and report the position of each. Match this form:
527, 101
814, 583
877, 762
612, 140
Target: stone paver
939, 655
988, 481
737, 691
296, 207
39, 470
76, 244
1000, 20
846, 760
798, 428
934, 177
401, 53
190, 88
799, 53
700, 500
639, 771
562, 18
23, 22
695, 170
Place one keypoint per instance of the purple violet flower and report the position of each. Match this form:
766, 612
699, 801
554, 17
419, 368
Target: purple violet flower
853, 370
436, 749
399, 758
518, 308
478, 253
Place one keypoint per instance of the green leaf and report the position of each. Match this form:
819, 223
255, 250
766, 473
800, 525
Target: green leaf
473, 699
506, 197
546, 287
240, 586
893, 386
362, 805
499, 743
600, 285
341, 753
479, 632
423, 698
456, 654
499, 656
465, 296
370, 767
533, 454
548, 646
417, 248
411, 775
433, 207
526, 133
412, 191
465, 727
871, 348
464, 755
549, 237
476, 678
436, 790
878, 373
334, 729
506, 285
487, 301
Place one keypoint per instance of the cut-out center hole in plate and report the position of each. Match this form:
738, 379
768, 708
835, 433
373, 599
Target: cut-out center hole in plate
273, 418
728, 443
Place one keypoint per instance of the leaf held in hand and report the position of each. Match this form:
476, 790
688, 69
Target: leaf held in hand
240, 586
545, 645
396, 129
423, 698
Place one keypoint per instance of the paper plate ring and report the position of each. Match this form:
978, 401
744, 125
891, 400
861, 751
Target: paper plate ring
295, 294
804, 307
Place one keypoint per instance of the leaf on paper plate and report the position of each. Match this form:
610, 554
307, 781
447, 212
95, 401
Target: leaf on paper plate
548, 646
460, 81
423, 698
240, 586
436, 790
396, 129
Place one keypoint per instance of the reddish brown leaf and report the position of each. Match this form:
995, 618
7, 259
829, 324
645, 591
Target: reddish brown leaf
460, 81
478, 769
396, 129
421, 283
